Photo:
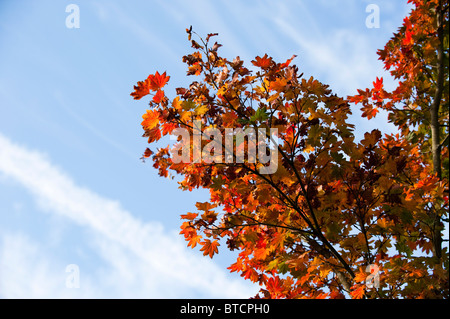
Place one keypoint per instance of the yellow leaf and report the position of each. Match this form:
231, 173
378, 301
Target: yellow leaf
222, 90
176, 103
202, 109
150, 119
185, 116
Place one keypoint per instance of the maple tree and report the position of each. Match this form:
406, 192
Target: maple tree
335, 209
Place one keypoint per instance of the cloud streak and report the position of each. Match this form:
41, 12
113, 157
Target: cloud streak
142, 254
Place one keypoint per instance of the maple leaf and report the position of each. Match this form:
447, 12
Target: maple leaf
378, 84
209, 247
157, 81
153, 134
167, 128
205, 206
278, 84
140, 90
177, 104
201, 109
361, 275
194, 240
260, 253
150, 119
408, 40
359, 292
265, 62
369, 111
158, 97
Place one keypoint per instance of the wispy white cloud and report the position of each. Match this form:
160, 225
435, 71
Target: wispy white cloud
144, 259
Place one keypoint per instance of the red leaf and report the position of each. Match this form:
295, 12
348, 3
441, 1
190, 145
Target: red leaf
140, 90
153, 82
147, 153
158, 96
378, 84
285, 64
408, 40
157, 81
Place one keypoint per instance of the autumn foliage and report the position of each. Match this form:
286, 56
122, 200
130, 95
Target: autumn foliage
335, 205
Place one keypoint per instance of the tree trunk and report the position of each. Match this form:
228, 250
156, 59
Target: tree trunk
434, 112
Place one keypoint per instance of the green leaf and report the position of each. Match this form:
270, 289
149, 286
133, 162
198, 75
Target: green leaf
242, 121
260, 115
272, 265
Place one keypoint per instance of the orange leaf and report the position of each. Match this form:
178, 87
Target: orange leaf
209, 248
167, 128
153, 134
157, 81
190, 216
194, 240
358, 293
361, 275
263, 62
150, 119
288, 61
206, 206
278, 85
158, 96
408, 40
260, 253
141, 90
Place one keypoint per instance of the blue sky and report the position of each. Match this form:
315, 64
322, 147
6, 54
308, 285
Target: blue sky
72, 187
